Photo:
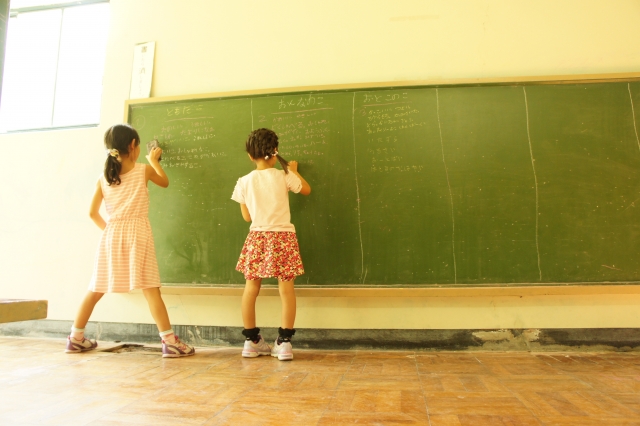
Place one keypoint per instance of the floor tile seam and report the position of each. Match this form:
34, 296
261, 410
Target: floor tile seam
55, 366
547, 363
167, 410
162, 389
583, 359
424, 398
193, 373
215, 364
561, 417
174, 419
226, 407
135, 401
336, 390
306, 374
562, 363
328, 404
578, 378
596, 404
110, 412
519, 398
145, 371
618, 364
625, 405
560, 399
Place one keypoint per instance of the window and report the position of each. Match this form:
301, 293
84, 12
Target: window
54, 64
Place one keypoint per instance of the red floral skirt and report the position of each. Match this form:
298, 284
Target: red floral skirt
267, 254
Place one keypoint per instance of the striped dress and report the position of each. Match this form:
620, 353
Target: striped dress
126, 257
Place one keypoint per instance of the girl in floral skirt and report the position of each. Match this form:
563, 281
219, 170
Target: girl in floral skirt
271, 248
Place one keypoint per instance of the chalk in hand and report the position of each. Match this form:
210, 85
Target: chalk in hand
153, 144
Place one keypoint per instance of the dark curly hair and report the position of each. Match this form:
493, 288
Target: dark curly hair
263, 143
117, 137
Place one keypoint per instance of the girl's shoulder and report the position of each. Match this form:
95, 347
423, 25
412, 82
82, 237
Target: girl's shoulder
261, 175
141, 170
246, 177
102, 181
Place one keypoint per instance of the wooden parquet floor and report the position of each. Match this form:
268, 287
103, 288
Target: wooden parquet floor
41, 385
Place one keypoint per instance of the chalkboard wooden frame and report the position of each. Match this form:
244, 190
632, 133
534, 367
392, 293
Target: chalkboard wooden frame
350, 290
497, 81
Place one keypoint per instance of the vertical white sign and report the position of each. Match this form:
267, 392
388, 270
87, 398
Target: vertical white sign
142, 73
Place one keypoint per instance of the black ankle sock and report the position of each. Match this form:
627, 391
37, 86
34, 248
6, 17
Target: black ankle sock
285, 334
252, 334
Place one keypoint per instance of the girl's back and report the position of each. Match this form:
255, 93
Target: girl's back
129, 199
126, 258
265, 193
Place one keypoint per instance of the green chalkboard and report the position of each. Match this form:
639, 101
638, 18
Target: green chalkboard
454, 185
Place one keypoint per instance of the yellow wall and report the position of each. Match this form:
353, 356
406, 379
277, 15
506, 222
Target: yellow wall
47, 241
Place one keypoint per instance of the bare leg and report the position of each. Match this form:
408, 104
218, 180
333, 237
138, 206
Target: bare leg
86, 308
157, 308
249, 296
288, 299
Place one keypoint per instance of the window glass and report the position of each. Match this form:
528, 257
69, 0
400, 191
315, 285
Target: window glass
19, 4
30, 70
80, 66
54, 66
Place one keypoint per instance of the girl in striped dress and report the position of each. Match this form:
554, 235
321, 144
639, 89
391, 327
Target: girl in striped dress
126, 258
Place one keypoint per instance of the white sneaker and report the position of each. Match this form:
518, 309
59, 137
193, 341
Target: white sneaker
252, 350
283, 351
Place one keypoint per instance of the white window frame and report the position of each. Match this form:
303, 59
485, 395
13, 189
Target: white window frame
13, 12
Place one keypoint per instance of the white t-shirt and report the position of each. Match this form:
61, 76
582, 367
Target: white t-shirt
266, 194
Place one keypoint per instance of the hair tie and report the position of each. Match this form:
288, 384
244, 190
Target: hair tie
266, 157
114, 153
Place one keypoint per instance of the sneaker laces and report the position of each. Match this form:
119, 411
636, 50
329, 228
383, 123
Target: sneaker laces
182, 346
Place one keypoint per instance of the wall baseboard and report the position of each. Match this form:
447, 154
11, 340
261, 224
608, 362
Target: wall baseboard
549, 339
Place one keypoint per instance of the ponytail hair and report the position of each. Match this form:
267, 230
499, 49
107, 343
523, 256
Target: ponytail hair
284, 163
117, 140
263, 143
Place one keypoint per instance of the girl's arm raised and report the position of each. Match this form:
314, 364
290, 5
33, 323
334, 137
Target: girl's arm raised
306, 188
154, 172
94, 210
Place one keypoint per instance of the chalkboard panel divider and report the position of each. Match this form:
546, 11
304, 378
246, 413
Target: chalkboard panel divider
363, 275
446, 170
633, 114
535, 178
486, 81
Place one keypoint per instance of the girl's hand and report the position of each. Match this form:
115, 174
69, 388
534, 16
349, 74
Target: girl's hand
293, 165
154, 155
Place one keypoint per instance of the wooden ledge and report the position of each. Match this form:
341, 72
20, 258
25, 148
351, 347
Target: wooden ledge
12, 310
431, 291
539, 79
